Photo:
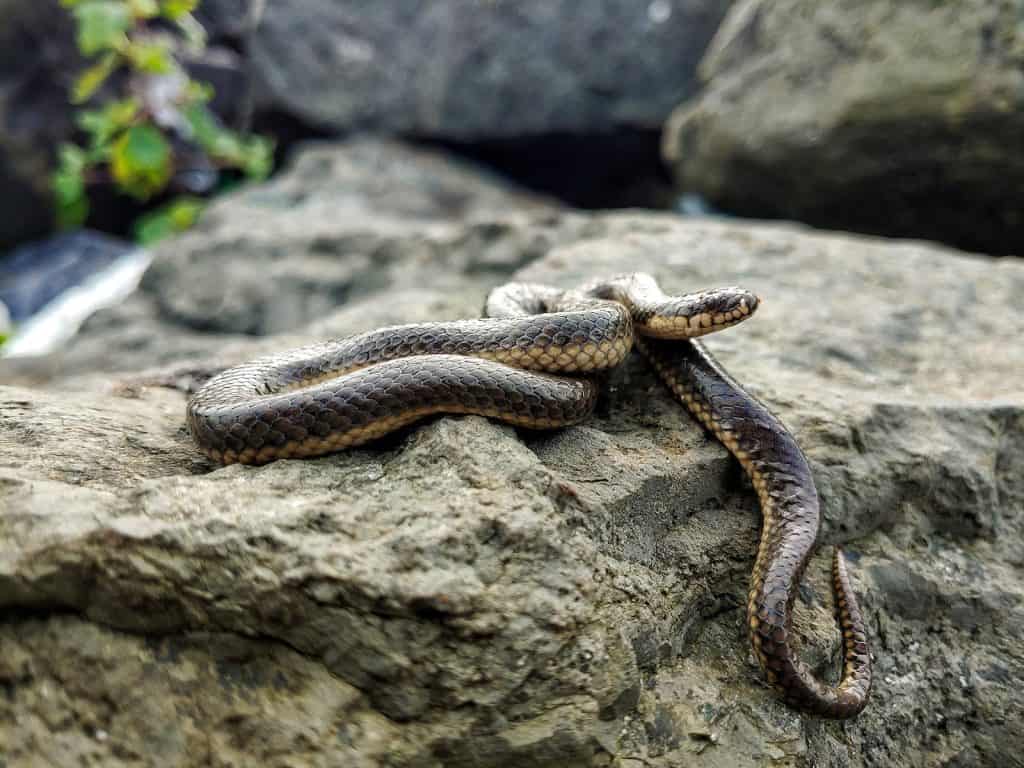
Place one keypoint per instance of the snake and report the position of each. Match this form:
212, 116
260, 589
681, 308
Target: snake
533, 361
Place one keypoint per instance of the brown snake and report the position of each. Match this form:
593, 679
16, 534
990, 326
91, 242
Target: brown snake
342, 393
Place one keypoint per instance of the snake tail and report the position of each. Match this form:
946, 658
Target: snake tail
789, 503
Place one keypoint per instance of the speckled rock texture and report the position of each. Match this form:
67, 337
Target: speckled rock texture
465, 594
897, 118
468, 70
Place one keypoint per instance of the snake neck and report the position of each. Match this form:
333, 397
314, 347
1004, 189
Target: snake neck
789, 503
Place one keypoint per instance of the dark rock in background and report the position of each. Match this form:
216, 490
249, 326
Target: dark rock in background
463, 70
37, 64
567, 98
904, 119
36, 273
622, 169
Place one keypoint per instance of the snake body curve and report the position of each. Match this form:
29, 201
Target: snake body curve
526, 364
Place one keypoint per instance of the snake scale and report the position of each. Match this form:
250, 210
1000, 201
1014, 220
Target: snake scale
527, 364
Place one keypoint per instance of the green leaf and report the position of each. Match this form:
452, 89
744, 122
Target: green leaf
103, 124
177, 216
68, 184
71, 157
150, 56
258, 160
175, 9
144, 9
101, 25
196, 92
141, 161
253, 155
206, 129
73, 215
91, 79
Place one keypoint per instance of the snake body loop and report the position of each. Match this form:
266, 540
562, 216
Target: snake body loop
511, 366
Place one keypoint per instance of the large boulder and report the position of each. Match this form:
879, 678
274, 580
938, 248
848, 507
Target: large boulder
464, 70
463, 594
898, 118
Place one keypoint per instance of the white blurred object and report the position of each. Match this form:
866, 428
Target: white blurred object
61, 318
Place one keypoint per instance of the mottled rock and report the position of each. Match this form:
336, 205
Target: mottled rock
463, 594
901, 118
468, 70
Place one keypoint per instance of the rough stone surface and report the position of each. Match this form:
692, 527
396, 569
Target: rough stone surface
896, 118
470, 70
463, 594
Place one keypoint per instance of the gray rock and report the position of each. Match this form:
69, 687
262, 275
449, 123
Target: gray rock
463, 594
468, 70
901, 119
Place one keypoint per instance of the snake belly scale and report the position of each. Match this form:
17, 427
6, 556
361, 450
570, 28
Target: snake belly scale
528, 363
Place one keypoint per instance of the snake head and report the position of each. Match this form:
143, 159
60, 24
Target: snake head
696, 314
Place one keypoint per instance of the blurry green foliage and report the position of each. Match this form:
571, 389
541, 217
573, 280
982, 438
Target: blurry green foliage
134, 137
175, 216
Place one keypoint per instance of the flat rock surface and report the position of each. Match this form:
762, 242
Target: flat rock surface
465, 594
898, 118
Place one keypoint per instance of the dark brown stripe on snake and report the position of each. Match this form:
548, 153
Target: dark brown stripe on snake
330, 396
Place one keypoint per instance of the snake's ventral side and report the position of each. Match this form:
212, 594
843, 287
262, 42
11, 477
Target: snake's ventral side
527, 363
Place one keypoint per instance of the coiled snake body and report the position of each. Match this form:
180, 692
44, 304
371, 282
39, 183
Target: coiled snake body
526, 364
